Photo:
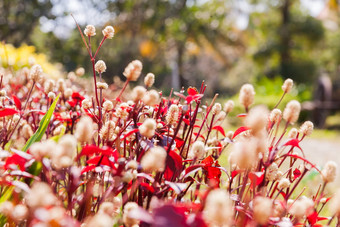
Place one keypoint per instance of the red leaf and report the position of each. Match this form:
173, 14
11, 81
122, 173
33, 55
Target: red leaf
303, 159
77, 96
213, 173
256, 178
92, 149
179, 142
242, 115
173, 166
129, 133
192, 168
314, 218
191, 98
240, 130
87, 169
147, 187
293, 143
7, 112
200, 135
104, 161
17, 102
220, 129
186, 121
192, 91
236, 172
179, 95
297, 173
17, 160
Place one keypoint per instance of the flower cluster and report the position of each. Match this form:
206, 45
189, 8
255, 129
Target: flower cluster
72, 158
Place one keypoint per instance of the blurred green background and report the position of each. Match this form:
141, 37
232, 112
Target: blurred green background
224, 42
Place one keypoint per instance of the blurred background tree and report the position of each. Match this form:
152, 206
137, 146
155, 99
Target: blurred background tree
227, 43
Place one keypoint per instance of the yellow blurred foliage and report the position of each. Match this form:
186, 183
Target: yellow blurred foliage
25, 56
147, 49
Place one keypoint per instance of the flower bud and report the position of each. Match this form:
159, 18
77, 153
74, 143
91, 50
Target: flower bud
154, 159
108, 32
133, 70
90, 30
247, 94
100, 66
197, 150
228, 106
329, 172
149, 79
36, 73
287, 85
292, 111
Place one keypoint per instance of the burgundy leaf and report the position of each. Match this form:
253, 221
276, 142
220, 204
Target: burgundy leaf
173, 166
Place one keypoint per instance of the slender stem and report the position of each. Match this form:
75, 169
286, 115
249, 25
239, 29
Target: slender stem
121, 91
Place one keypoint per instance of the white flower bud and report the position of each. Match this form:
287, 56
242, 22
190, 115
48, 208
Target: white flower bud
100, 66
108, 32
90, 30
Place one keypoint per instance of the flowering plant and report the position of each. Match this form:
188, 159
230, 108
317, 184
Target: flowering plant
70, 158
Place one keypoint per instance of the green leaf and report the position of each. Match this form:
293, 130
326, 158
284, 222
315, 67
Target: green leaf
42, 126
6, 195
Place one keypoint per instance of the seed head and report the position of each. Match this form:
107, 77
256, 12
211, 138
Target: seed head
149, 79
287, 85
108, 32
36, 73
283, 184
216, 109
292, 111
101, 85
34, 198
307, 128
275, 115
86, 103
257, 119
151, 98
172, 114
148, 128
218, 210
138, 93
51, 95
262, 208
229, 106
90, 30
100, 66
329, 172
272, 172
122, 111
301, 207
3, 93
292, 133
107, 105
129, 222
334, 205
247, 94
197, 150
80, 71
49, 86
42, 149
20, 212
107, 132
154, 159
133, 70
84, 130
68, 93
